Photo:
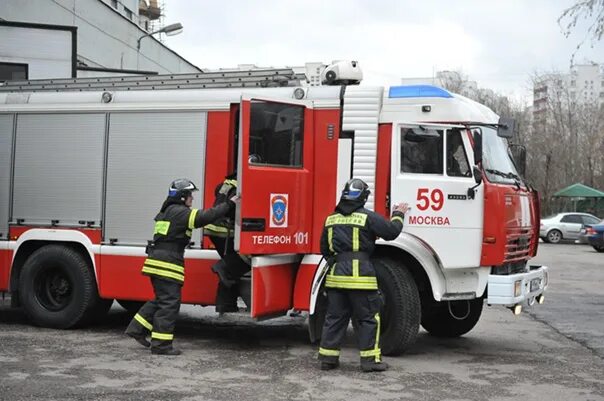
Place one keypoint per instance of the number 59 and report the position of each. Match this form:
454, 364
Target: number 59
426, 199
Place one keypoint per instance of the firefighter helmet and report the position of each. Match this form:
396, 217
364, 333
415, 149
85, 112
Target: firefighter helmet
181, 188
356, 189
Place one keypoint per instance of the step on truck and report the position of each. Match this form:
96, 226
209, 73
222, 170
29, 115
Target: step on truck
84, 164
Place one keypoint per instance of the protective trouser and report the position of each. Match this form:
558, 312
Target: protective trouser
235, 267
364, 307
158, 316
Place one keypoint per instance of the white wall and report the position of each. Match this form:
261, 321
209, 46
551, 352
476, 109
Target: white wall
46, 51
105, 37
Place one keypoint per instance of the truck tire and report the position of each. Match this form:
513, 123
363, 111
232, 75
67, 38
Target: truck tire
131, 306
57, 287
400, 314
439, 322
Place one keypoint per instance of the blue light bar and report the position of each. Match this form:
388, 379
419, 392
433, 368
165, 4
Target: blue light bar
417, 91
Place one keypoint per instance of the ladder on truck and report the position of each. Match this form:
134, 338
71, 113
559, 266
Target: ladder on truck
254, 78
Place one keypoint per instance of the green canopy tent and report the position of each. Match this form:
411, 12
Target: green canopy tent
580, 198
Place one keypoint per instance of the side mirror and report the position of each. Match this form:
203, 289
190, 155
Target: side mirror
477, 175
477, 146
478, 178
518, 153
506, 127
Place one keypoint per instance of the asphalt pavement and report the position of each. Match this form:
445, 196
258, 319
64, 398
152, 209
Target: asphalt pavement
552, 352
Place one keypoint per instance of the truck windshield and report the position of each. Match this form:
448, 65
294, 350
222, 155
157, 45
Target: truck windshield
496, 160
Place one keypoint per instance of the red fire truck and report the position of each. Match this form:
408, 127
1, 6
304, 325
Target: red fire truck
84, 165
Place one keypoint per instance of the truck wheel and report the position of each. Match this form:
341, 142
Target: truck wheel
57, 287
317, 319
451, 318
131, 306
554, 236
98, 310
400, 314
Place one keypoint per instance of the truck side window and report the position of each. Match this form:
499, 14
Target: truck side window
457, 161
421, 153
276, 134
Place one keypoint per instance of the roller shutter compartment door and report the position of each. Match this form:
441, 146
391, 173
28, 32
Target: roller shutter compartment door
59, 168
6, 148
146, 152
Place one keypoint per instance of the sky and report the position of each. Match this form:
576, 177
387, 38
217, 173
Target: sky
498, 43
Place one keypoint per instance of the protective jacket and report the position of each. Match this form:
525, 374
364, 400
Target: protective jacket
225, 226
173, 229
347, 242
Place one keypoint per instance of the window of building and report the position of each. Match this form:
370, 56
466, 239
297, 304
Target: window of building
421, 151
573, 83
128, 13
114, 4
276, 134
573, 95
602, 94
457, 161
12, 71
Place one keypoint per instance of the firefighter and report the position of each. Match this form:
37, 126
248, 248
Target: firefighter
347, 242
165, 265
231, 265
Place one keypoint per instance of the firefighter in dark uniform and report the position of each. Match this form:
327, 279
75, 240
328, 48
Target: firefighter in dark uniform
231, 265
165, 265
347, 242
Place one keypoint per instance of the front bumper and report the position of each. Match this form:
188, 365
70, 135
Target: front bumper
520, 288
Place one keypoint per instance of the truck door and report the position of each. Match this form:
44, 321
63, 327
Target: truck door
274, 215
432, 171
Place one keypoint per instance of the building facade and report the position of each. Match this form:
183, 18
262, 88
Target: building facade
106, 32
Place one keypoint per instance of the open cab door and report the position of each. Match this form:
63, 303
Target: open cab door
274, 215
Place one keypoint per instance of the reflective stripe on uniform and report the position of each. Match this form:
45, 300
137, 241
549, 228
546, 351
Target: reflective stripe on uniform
188, 233
371, 352
355, 248
192, 219
162, 336
161, 227
355, 219
399, 218
165, 265
378, 357
330, 239
231, 182
329, 352
164, 273
351, 283
143, 322
217, 231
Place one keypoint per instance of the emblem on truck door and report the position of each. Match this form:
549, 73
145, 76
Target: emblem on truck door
278, 210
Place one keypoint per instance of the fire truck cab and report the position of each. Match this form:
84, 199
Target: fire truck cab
84, 167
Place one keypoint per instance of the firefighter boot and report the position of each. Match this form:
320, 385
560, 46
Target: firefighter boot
373, 366
140, 338
330, 365
165, 351
220, 268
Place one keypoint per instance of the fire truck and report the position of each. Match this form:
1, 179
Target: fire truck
85, 163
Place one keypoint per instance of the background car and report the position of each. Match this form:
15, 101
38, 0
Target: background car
565, 226
585, 232
596, 239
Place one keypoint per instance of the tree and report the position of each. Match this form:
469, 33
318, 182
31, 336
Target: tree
590, 10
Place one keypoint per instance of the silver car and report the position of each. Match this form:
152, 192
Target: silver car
564, 226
